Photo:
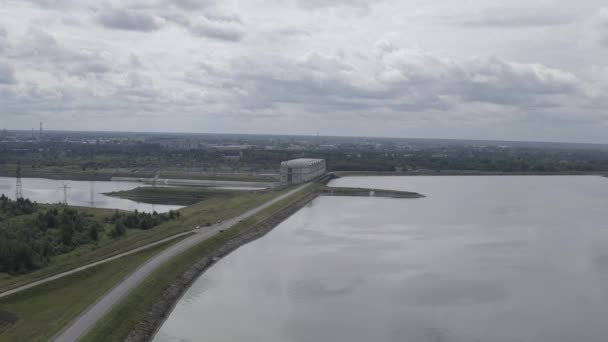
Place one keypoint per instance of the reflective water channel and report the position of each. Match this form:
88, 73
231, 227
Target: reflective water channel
79, 193
490, 259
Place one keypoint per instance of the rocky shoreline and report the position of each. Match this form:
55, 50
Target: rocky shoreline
364, 192
145, 330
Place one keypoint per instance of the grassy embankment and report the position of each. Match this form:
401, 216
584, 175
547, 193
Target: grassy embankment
180, 174
207, 212
44, 310
117, 324
342, 191
177, 195
75, 172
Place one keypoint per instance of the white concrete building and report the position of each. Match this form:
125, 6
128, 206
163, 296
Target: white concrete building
298, 171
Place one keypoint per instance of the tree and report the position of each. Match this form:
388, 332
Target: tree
119, 230
67, 234
94, 233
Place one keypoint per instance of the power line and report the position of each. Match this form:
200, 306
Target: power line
92, 188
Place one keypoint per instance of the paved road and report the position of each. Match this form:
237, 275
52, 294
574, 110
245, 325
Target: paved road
82, 268
83, 323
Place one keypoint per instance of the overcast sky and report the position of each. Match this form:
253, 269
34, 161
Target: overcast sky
484, 69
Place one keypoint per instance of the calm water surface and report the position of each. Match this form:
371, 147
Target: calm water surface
490, 259
80, 193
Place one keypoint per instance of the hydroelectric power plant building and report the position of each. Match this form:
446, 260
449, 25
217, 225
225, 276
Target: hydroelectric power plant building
298, 171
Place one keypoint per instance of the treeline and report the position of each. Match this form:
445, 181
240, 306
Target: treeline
30, 235
28, 243
137, 220
10, 208
381, 155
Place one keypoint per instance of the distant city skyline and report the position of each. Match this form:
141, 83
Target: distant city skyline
189, 135
516, 70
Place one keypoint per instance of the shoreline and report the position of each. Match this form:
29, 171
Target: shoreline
466, 173
146, 330
367, 192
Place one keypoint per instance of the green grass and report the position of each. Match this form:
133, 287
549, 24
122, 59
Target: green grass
45, 309
378, 192
117, 324
73, 172
179, 174
206, 212
4, 326
171, 195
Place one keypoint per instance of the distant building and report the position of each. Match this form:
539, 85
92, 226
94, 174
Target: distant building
180, 144
298, 171
231, 147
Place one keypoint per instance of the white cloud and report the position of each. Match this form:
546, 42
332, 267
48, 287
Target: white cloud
43, 51
123, 19
51, 3
193, 4
314, 4
7, 75
289, 60
515, 16
399, 81
600, 26
3, 39
218, 28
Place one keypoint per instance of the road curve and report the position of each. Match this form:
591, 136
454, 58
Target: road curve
83, 323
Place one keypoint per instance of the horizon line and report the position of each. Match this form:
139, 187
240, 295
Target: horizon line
313, 135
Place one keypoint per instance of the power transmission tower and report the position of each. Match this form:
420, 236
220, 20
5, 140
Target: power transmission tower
155, 180
92, 187
65, 193
19, 188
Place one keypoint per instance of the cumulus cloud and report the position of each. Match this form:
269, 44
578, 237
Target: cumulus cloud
314, 4
398, 81
3, 39
7, 75
42, 49
131, 20
513, 16
137, 85
221, 28
489, 80
51, 3
292, 59
134, 61
600, 26
212, 22
193, 4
